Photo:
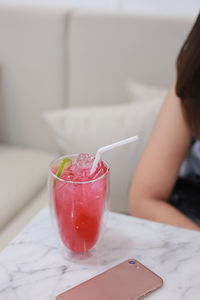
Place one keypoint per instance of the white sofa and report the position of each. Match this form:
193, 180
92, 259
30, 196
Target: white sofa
51, 58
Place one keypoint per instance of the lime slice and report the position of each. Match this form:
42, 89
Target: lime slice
65, 164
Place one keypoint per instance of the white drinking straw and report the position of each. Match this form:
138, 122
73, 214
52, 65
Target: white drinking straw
109, 147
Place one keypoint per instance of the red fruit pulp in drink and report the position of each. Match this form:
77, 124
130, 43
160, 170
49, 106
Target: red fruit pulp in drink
79, 205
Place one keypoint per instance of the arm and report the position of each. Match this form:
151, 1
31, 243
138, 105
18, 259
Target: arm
158, 168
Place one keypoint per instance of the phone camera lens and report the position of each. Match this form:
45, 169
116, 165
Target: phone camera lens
131, 262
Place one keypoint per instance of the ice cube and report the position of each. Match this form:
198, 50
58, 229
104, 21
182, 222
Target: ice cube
84, 161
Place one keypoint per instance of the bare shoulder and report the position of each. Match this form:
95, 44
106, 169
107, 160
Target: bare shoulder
169, 142
171, 132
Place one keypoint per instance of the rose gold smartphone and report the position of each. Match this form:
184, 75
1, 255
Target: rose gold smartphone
129, 280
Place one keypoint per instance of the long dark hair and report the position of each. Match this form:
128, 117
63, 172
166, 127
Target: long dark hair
188, 78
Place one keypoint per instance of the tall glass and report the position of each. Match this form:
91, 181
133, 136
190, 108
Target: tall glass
79, 209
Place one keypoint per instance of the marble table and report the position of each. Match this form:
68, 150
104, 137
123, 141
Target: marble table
33, 267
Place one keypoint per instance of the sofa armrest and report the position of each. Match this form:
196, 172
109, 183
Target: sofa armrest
23, 176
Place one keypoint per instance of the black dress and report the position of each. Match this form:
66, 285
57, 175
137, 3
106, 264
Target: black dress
186, 192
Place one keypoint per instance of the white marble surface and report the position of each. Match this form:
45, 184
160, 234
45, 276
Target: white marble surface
33, 267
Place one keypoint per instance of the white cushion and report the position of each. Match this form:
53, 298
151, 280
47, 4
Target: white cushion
88, 128
33, 48
144, 92
23, 174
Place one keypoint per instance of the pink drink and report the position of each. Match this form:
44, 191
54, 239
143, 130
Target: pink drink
79, 202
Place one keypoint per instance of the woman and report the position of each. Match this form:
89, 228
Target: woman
173, 149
